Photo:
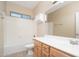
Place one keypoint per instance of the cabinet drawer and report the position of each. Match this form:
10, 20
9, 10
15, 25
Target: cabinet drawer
56, 53
45, 48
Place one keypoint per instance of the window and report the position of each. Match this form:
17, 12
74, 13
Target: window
19, 15
26, 16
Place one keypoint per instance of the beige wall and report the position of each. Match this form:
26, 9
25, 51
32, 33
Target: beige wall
1, 37
42, 8
66, 18
17, 8
2, 9
2, 6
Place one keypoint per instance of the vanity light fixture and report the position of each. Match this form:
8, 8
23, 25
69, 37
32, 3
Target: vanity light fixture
57, 2
41, 17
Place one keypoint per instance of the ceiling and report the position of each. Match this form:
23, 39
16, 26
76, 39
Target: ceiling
28, 4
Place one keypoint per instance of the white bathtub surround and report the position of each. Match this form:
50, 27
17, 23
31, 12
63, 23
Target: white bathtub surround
9, 50
18, 54
17, 33
61, 43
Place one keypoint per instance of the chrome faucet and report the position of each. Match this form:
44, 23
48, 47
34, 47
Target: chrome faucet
74, 42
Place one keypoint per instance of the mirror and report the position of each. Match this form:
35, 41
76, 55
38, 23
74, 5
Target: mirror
65, 20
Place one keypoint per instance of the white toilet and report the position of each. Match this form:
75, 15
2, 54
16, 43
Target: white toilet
29, 48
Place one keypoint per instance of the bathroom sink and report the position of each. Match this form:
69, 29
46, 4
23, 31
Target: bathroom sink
74, 42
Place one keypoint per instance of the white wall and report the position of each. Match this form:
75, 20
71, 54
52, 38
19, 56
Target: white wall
18, 33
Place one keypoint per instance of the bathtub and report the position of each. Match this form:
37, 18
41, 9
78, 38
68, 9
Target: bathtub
8, 50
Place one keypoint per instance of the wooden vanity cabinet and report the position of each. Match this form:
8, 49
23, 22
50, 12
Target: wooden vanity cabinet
35, 51
45, 50
40, 49
56, 53
37, 48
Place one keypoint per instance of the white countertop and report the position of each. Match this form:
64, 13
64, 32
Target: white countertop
61, 43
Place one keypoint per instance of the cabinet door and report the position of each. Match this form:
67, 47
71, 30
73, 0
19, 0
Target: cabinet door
45, 54
45, 50
39, 52
37, 48
35, 52
56, 53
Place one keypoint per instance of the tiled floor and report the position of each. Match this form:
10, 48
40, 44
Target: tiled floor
20, 54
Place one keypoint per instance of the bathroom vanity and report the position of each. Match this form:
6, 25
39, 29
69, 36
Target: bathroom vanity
53, 46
